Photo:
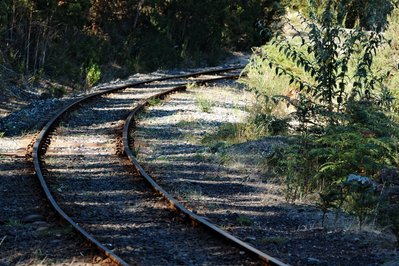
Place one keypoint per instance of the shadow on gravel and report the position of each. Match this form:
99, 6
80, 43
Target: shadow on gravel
30, 233
32, 117
226, 186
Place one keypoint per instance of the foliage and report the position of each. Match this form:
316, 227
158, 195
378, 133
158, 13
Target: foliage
261, 79
361, 198
357, 195
93, 75
60, 36
265, 124
321, 79
365, 145
154, 101
341, 111
368, 14
204, 104
329, 51
244, 220
386, 60
227, 134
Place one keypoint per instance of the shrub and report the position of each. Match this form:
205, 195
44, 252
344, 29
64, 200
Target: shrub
318, 162
205, 105
154, 101
342, 106
93, 75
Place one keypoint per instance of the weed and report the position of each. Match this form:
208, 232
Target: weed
93, 75
213, 206
224, 158
192, 138
229, 133
361, 197
332, 199
189, 194
187, 124
244, 220
200, 157
2, 134
14, 223
67, 230
154, 101
205, 105
39, 254
191, 85
136, 151
232, 133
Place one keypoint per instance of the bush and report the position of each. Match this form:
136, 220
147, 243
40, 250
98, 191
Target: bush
342, 113
323, 163
93, 75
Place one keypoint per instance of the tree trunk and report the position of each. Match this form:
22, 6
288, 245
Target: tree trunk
28, 40
138, 9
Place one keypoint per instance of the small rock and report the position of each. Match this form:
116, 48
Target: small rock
242, 252
33, 218
250, 238
42, 228
313, 261
97, 259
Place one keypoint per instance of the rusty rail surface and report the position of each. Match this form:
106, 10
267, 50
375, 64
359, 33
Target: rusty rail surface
41, 142
266, 259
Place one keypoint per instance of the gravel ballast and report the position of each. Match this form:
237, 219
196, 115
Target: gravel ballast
232, 187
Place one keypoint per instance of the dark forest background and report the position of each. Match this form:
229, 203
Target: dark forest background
67, 39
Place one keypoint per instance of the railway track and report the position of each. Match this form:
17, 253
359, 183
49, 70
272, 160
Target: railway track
107, 202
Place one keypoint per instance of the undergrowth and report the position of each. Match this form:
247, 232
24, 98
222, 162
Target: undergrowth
334, 89
154, 101
204, 104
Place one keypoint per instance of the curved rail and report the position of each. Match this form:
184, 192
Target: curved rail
39, 149
268, 260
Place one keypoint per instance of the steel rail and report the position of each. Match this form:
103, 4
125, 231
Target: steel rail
189, 75
266, 259
39, 149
